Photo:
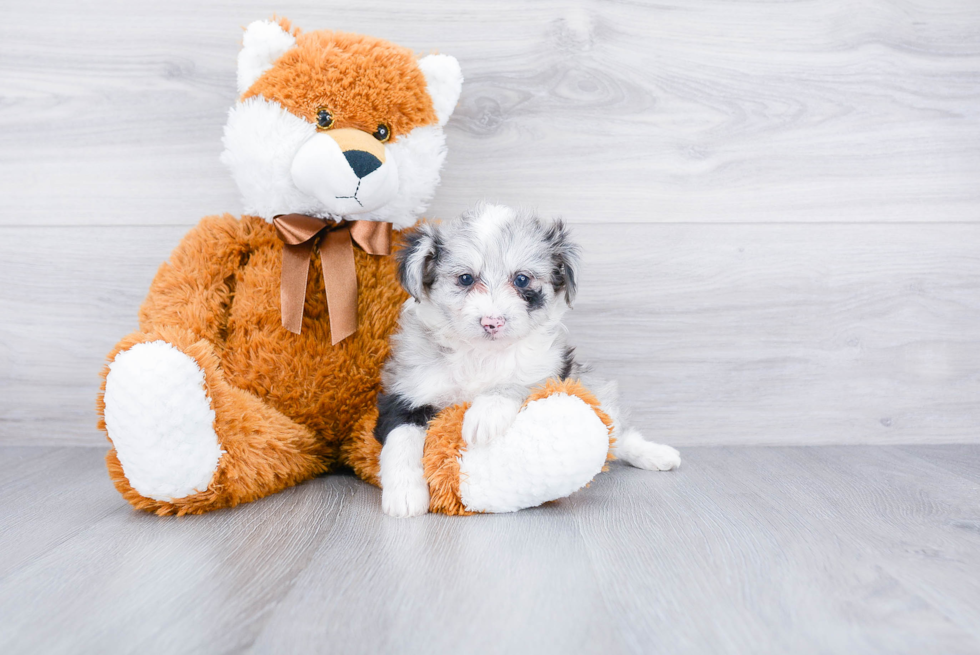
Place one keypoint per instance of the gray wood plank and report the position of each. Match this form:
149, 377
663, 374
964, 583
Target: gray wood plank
734, 536
759, 334
49, 498
718, 334
14, 459
59, 317
959, 459
763, 550
605, 111
137, 583
921, 521
494, 584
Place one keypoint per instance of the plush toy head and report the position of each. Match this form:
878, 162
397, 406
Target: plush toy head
338, 126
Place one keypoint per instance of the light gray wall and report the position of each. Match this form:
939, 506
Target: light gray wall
780, 202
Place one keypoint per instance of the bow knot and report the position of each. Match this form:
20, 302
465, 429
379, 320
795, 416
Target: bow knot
299, 234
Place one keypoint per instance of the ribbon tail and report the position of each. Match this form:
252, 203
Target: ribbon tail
292, 285
340, 283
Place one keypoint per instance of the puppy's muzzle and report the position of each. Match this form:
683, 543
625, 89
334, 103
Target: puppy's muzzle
493, 324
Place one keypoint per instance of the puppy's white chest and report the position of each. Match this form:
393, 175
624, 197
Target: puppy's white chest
462, 376
472, 376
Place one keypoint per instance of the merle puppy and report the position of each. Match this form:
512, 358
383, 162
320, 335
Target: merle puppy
483, 326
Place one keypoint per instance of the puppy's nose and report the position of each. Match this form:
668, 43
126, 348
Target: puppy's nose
492, 324
361, 162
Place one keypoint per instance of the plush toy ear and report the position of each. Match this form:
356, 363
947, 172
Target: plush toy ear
264, 42
565, 259
417, 260
445, 81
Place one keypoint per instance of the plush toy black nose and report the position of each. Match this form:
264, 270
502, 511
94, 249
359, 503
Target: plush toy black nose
361, 162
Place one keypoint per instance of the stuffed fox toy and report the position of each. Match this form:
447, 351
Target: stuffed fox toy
257, 361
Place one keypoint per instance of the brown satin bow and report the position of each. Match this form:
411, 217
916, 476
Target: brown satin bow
298, 233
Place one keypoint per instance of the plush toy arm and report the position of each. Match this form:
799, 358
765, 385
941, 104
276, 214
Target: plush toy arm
192, 289
558, 443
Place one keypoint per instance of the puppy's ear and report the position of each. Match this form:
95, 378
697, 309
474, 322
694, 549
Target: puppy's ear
417, 260
565, 260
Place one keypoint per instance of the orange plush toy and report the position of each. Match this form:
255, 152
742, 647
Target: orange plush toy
240, 382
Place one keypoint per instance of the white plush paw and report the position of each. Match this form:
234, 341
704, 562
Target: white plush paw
160, 421
555, 446
404, 490
488, 418
644, 454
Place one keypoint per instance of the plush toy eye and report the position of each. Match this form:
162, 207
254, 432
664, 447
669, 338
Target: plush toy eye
383, 133
324, 119
521, 281
466, 279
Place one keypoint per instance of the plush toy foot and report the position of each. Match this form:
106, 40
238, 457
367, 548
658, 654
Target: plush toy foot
633, 449
558, 442
161, 421
555, 447
185, 441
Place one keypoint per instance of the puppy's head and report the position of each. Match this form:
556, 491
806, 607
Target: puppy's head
493, 274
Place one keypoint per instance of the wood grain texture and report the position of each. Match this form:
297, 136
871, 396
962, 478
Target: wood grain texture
60, 314
694, 138
762, 550
718, 334
807, 539
35, 487
788, 334
959, 459
711, 111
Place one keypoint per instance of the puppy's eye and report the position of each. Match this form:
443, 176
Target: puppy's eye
466, 279
383, 133
521, 281
324, 119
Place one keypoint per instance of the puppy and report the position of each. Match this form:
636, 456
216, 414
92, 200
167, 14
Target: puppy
483, 326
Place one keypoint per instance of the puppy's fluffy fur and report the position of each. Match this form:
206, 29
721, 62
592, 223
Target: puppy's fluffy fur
483, 326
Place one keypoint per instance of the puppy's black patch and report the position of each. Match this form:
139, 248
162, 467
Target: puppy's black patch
567, 363
533, 297
396, 410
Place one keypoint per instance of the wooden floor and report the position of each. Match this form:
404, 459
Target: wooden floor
829, 549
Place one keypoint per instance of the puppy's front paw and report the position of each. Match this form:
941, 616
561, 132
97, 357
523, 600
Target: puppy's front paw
404, 489
488, 417
406, 498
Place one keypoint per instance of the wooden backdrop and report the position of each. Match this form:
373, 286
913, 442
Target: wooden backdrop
779, 201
